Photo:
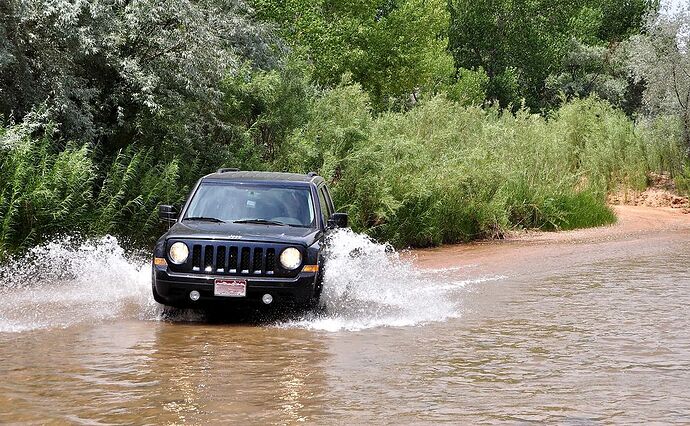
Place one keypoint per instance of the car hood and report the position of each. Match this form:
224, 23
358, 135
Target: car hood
243, 232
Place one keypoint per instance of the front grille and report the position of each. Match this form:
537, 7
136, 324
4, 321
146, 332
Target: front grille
228, 259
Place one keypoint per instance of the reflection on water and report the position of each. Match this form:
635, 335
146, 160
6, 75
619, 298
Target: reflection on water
587, 333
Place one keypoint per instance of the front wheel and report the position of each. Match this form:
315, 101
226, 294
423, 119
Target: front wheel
157, 297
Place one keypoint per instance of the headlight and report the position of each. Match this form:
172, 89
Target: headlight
179, 252
291, 258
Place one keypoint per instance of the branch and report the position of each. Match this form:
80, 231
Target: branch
675, 88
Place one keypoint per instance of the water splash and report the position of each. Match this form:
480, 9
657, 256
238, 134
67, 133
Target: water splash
367, 285
66, 282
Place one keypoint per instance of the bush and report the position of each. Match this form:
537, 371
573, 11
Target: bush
134, 186
48, 188
43, 191
439, 173
444, 173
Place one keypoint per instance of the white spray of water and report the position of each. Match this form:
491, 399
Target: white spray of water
65, 282
367, 285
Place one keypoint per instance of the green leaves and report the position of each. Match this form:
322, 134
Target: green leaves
396, 50
521, 43
43, 191
104, 67
46, 191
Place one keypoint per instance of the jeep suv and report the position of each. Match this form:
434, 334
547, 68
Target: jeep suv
245, 237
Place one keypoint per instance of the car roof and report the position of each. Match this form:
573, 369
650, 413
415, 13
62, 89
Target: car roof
262, 176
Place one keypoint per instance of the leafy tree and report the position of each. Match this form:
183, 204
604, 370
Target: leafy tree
264, 107
519, 43
661, 59
469, 88
107, 69
594, 70
396, 49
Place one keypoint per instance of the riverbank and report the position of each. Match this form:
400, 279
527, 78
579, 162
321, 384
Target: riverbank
635, 225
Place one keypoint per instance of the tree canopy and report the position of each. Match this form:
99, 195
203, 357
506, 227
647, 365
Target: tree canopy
520, 43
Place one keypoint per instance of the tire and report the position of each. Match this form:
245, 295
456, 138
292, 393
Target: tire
318, 289
157, 297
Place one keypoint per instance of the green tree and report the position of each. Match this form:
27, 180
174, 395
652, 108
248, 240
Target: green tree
595, 70
396, 49
660, 59
107, 69
519, 43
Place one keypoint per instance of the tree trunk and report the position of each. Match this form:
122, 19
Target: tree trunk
686, 125
686, 132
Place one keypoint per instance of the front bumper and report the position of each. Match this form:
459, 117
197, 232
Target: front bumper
173, 288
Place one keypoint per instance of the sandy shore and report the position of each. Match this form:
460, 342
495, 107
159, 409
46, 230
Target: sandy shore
636, 225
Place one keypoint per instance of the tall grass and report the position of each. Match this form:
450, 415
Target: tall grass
439, 173
47, 188
443, 173
43, 190
134, 185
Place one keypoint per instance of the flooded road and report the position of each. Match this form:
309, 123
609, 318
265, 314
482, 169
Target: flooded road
575, 331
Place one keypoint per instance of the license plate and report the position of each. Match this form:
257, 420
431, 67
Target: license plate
230, 288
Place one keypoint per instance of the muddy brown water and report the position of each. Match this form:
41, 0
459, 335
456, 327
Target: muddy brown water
576, 332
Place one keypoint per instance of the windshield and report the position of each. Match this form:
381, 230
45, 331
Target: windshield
246, 203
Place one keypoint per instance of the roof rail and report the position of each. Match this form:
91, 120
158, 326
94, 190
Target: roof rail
312, 174
228, 169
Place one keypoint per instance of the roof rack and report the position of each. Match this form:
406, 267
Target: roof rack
228, 169
312, 174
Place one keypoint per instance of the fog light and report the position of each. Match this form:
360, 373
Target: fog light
267, 299
194, 295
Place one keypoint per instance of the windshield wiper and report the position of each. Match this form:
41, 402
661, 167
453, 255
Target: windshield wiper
260, 221
204, 219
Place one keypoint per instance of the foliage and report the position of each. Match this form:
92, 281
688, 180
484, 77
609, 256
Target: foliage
439, 173
418, 112
338, 121
594, 70
264, 107
134, 186
43, 191
469, 88
396, 49
661, 59
46, 188
109, 68
520, 44
444, 173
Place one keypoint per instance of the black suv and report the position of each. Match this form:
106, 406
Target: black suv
245, 236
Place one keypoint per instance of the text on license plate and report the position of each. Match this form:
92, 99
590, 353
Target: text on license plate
230, 288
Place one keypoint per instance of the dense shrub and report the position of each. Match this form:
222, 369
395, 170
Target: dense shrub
444, 173
42, 190
47, 188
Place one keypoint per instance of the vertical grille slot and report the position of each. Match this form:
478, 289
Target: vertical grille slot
244, 260
270, 261
220, 259
208, 258
232, 261
257, 263
196, 257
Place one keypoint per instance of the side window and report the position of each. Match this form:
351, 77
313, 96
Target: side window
325, 213
329, 199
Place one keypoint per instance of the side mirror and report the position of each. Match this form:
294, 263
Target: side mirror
167, 214
338, 220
